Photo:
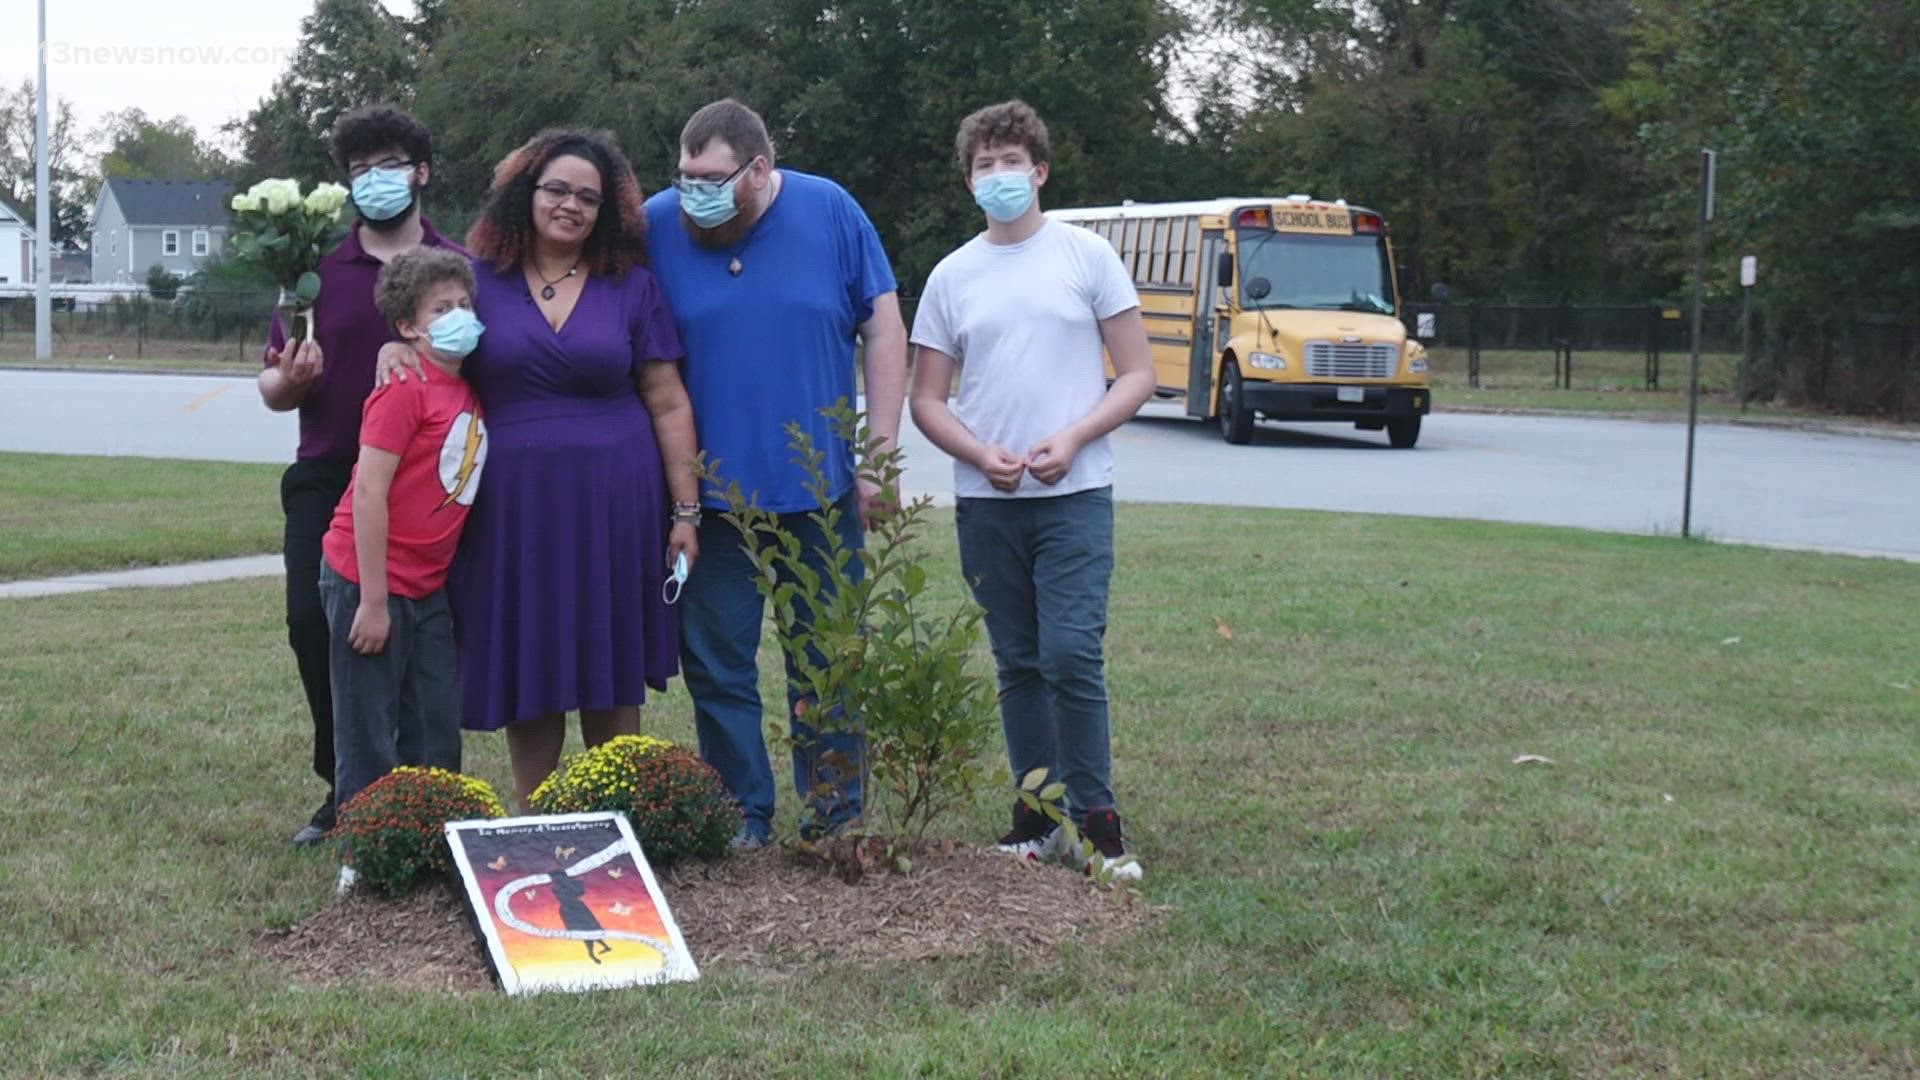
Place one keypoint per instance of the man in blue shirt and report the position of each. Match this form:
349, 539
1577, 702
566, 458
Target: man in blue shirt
773, 275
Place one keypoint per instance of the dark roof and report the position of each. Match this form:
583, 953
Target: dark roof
173, 202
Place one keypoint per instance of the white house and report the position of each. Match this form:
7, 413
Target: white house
175, 223
16, 245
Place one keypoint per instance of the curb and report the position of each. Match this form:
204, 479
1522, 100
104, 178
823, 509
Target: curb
1807, 425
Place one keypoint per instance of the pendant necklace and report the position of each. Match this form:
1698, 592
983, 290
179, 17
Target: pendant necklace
734, 265
546, 290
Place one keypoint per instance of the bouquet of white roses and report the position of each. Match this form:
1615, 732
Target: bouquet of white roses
285, 235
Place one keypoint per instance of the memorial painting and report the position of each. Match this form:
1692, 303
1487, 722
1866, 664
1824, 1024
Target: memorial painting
567, 902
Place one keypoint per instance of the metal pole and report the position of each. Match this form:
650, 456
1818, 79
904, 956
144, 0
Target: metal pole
1699, 287
43, 215
1746, 346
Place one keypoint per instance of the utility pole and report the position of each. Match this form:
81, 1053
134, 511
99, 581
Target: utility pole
42, 215
1749, 274
1699, 287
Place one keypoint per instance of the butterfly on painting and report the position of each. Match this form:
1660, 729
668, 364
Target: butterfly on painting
621, 909
528, 895
498, 864
563, 853
615, 872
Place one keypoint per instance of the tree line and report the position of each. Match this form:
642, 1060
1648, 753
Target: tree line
1520, 149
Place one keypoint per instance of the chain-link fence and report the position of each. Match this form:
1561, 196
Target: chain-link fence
1865, 365
195, 329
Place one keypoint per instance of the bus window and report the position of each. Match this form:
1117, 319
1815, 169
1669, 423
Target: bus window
1157, 267
1190, 263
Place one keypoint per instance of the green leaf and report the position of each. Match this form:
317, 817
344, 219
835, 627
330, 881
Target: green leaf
1052, 792
1033, 780
308, 287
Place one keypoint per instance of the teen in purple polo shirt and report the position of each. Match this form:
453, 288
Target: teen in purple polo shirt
386, 155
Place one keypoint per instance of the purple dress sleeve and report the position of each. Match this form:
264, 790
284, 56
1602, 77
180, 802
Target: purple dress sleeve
655, 337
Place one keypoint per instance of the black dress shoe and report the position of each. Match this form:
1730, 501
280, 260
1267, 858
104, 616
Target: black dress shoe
316, 829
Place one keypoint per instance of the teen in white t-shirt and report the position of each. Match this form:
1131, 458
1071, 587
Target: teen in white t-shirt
1028, 310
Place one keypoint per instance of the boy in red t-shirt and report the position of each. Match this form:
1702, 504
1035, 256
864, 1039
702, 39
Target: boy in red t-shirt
396, 689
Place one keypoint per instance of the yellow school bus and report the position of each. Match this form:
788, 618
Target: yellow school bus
1282, 307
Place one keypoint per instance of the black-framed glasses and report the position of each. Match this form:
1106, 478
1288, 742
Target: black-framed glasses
358, 171
559, 190
687, 185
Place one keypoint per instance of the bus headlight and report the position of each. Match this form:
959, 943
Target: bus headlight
1266, 361
1417, 363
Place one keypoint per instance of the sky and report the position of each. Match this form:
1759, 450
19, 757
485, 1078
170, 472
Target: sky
207, 60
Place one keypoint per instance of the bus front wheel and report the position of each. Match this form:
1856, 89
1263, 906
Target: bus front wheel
1236, 420
1403, 432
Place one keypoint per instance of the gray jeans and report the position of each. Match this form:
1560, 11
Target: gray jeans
400, 706
1042, 568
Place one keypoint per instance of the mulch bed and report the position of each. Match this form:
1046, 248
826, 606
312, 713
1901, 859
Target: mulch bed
769, 911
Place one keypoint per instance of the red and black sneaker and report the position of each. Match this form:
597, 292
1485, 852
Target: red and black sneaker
1110, 848
1034, 837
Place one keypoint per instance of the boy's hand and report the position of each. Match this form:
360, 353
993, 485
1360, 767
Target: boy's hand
299, 363
1052, 458
371, 625
393, 363
1003, 469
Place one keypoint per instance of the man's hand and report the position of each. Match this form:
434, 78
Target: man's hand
1002, 468
299, 364
371, 624
876, 502
395, 360
1052, 458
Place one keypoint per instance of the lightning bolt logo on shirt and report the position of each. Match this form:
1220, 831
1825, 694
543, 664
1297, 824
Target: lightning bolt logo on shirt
461, 458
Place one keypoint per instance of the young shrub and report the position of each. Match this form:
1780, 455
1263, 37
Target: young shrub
392, 833
678, 805
902, 669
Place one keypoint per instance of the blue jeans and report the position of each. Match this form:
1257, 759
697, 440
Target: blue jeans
1042, 569
400, 706
720, 621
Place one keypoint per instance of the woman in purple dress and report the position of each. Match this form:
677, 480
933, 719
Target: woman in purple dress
557, 589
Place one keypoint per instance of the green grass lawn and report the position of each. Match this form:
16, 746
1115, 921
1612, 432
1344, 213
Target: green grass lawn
61, 515
1720, 875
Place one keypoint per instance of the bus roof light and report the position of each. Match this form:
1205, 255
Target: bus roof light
1254, 219
1368, 223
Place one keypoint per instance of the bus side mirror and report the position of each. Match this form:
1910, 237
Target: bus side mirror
1223, 270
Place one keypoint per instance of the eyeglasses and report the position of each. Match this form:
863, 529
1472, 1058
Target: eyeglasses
559, 190
359, 171
686, 185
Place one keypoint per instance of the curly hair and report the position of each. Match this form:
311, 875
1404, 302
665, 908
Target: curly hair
373, 128
1010, 123
407, 279
504, 233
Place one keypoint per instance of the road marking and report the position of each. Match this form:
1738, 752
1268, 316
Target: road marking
206, 397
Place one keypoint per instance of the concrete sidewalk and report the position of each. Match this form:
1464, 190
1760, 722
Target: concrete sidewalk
147, 577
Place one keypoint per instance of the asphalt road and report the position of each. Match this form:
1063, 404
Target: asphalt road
1796, 489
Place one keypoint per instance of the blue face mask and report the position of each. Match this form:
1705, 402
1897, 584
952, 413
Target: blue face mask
383, 194
709, 204
1004, 195
670, 588
455, 333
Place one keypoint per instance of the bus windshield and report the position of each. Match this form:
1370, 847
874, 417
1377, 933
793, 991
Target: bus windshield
1336, 273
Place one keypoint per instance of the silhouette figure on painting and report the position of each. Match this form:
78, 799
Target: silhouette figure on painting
575, 913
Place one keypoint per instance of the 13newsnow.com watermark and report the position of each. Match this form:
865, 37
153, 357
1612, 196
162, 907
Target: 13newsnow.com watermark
68, 54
